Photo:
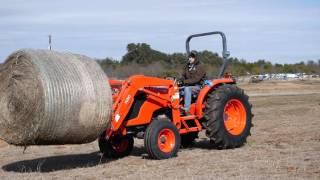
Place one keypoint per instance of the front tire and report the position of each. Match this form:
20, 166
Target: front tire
162, 140
228, 115
116, 146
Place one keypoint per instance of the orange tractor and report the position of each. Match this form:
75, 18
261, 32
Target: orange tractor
149, 108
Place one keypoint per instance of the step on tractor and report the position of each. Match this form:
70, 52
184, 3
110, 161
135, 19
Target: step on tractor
150, 108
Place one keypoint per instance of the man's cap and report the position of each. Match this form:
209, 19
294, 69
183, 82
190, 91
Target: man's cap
192, 54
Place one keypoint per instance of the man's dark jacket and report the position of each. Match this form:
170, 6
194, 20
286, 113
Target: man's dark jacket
193, 73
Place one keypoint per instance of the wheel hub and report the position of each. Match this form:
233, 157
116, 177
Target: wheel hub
163, 139
120, 145
166, 140
234, 117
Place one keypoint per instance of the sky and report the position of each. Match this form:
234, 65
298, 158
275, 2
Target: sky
281, 31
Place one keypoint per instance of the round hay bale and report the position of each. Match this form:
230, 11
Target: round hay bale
49, 97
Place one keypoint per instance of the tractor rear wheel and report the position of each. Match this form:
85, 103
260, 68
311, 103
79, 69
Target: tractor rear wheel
228, 115
116, 146
162, 140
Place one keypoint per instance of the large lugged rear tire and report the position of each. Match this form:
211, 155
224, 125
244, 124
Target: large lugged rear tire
228, 115
162, 140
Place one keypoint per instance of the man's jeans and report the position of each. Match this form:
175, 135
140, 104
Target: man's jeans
188, 90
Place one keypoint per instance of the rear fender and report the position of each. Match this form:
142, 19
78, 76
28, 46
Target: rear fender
206, 90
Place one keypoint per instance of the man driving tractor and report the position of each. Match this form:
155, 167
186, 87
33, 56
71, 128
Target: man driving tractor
192, 79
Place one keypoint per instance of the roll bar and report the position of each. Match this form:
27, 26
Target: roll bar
225, 52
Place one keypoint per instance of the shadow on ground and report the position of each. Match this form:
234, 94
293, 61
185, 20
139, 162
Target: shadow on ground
63, 162
202, 143
56, 163
66, 162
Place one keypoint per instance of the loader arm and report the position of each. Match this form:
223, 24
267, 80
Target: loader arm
131, 87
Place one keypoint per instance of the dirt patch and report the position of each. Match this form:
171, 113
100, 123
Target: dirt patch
3, 144
285, 144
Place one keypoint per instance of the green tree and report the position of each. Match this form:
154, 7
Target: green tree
142, 59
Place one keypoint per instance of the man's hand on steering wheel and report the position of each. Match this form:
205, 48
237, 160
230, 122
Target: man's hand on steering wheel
179, 82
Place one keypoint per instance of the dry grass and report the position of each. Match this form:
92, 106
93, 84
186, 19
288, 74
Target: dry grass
285, 144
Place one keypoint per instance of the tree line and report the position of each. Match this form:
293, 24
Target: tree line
140, 58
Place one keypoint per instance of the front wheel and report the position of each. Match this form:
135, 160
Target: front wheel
116, 146
162, 140
228, 115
